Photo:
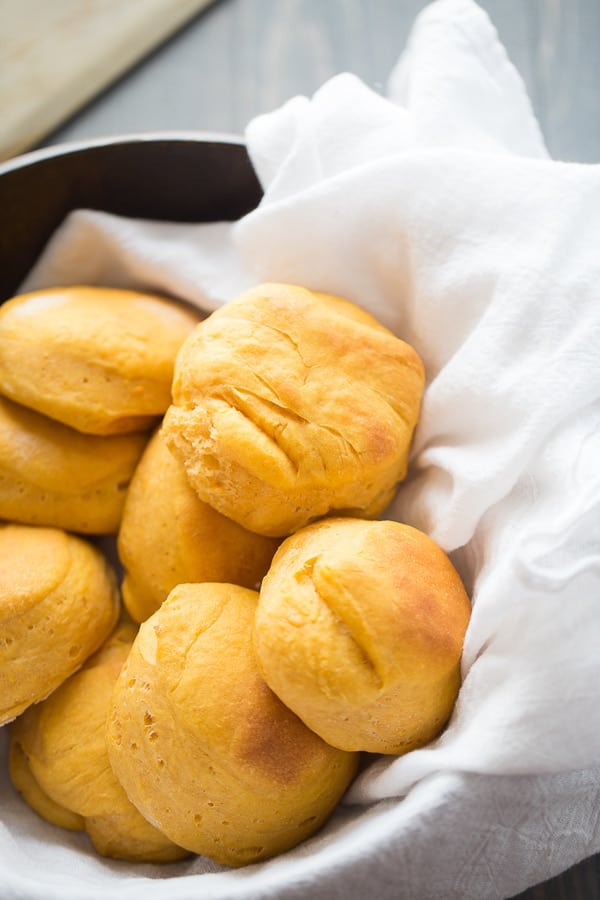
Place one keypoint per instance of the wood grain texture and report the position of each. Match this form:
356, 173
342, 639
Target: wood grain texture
56, 54
245, 57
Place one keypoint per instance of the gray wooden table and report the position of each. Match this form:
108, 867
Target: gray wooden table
244, 57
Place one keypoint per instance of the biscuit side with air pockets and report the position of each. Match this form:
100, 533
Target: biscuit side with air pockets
59, 762
204, 748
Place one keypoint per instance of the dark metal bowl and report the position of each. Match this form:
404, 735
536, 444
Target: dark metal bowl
175, 177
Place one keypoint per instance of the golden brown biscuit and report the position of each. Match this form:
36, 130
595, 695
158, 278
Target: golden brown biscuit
359, 630
97, 359
58, 602
289, 405
52, 475
202, 746
23, 779
169, 536
60, 764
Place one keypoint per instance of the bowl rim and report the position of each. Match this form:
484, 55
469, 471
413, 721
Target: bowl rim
65, 148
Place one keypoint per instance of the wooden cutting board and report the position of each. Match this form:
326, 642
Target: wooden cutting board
55, 55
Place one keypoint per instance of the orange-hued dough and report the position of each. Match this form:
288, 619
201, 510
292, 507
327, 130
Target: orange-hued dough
169, 536
59, 761
53, 475
23, 779
58, 603
359, 630
204, 748
289, 405
95, 358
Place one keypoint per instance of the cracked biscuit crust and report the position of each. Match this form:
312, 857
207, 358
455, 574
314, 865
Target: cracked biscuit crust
289, 405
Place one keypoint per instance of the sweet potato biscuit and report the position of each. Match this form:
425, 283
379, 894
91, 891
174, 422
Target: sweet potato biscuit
202, 746
290, 405
23, 779
52, 475
97, 359
359, 630
169, 536
58, 603
59, 761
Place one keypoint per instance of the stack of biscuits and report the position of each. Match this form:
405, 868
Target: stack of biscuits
206, 620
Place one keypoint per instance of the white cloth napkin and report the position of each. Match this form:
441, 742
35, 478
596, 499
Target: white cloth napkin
439, 210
